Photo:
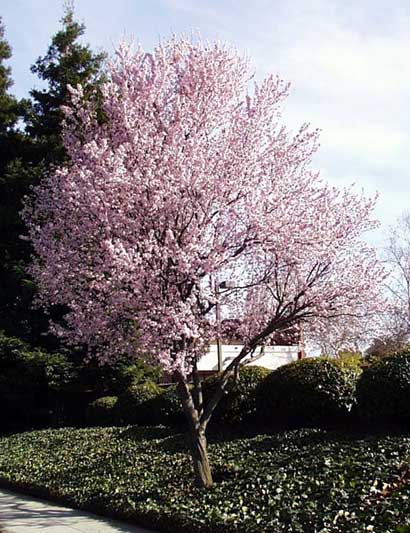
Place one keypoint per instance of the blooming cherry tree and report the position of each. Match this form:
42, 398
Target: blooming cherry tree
188, 181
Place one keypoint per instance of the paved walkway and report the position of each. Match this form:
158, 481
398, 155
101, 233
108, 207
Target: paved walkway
23, 514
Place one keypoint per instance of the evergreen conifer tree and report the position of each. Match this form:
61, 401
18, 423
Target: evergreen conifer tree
13, 149
67, 62
28, 155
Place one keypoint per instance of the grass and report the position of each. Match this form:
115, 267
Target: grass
297, 481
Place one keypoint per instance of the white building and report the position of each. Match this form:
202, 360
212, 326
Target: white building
273, 357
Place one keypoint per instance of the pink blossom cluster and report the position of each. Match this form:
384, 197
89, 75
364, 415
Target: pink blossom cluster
191, 177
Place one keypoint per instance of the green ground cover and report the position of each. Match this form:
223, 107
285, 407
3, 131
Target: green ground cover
297, 481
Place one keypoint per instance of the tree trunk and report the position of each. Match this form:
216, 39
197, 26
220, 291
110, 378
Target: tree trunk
199, 453
196, 432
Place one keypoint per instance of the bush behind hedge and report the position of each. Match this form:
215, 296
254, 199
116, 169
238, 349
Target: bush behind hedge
113, 380
100, 412
167, 408
238, 407
137, 404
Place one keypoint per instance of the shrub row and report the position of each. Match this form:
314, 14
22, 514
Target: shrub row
325, 392
149, 404
239, 406
311, 392
142, 404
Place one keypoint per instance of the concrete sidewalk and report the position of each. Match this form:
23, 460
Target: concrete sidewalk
22, 514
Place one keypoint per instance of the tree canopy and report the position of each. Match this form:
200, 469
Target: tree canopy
189, 181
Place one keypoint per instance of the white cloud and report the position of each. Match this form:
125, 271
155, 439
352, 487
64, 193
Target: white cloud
351, 79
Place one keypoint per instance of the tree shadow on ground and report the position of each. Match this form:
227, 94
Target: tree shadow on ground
146, 433
169, 440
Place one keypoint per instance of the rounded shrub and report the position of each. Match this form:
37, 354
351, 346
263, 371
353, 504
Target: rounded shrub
309, 392
383, 391
238, 406
100, 412
168, 408
137, 404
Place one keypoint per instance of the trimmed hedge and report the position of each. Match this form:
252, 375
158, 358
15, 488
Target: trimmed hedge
136, 405
149, 404
309, 392
237, 408
100, 412
383, 391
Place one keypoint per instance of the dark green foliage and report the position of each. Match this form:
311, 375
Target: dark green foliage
55, 384
61, 372
383, 391
301, 481
116, 378
30, 380
21, 368
108, 380
237, 408
100, 412
313, 391
135, 405
10, 111
133, 374
67, 62
95, 380
13, 146
167, 408
5, 53
25, 369
28, 155
10, 107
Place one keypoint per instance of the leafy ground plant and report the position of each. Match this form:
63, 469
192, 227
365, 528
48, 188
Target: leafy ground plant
298, 481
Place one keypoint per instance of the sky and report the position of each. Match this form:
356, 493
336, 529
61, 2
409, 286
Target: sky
347, 62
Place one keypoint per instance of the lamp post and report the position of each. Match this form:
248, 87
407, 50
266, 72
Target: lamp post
222, 285
218, 335
301, 352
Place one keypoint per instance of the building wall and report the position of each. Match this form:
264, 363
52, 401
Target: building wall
273, 357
